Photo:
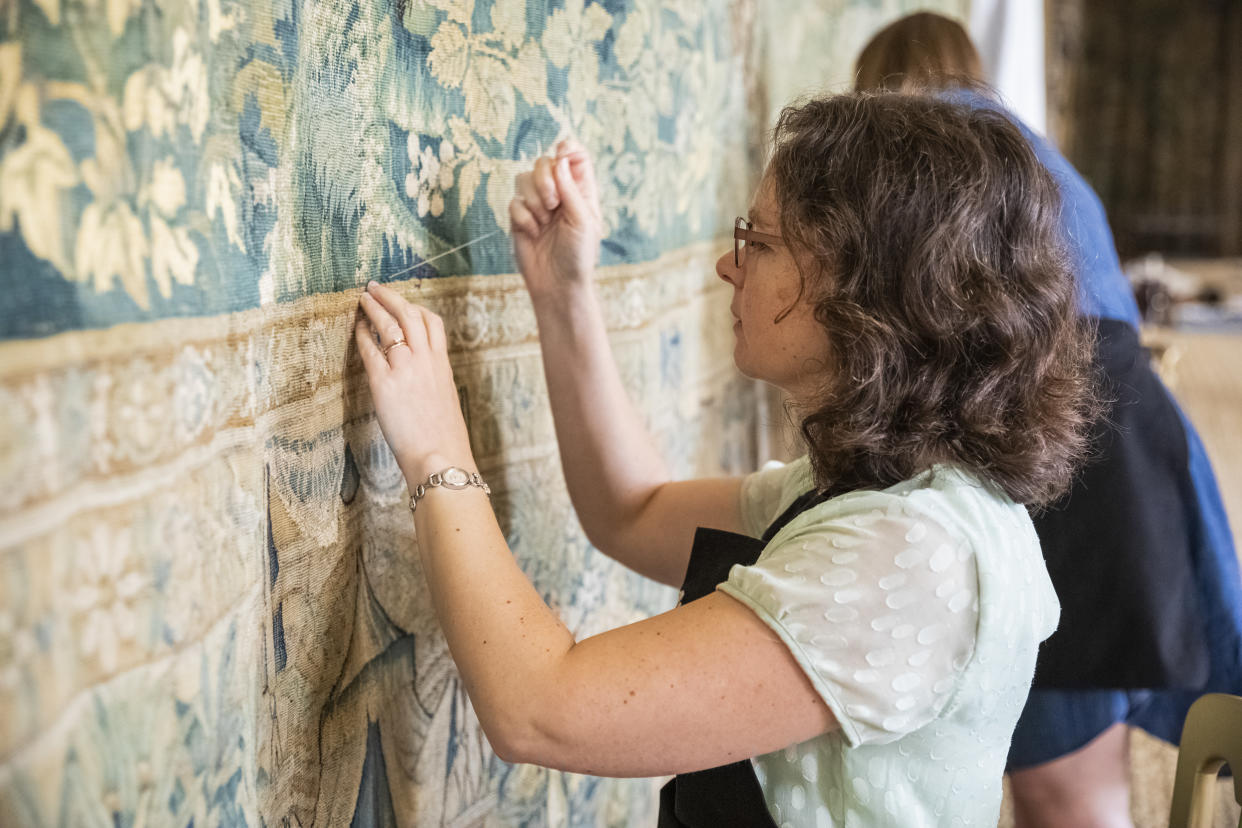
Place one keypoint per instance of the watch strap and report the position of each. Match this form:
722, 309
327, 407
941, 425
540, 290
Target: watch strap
451, 478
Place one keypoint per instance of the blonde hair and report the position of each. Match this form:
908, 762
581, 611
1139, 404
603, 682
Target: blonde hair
921, 51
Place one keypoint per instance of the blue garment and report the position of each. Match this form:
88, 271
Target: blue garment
1105, 292
1057, 722
1220, 595
1103, 289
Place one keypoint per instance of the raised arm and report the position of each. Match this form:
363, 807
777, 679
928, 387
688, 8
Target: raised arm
617, 480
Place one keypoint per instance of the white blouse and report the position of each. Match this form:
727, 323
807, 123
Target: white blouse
877, 594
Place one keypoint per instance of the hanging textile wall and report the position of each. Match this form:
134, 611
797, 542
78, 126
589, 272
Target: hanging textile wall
211, 610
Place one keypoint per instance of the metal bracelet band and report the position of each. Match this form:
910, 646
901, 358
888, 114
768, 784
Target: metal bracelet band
453, 479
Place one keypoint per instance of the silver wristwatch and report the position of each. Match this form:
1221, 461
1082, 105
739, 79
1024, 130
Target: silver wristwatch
450, 478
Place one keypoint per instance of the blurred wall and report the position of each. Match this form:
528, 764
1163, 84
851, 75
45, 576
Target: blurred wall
1010, 37
1146, 100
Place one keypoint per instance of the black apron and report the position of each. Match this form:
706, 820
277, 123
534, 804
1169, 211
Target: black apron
1119, 546
730, 794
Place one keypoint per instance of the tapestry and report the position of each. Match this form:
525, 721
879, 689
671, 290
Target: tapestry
211, 608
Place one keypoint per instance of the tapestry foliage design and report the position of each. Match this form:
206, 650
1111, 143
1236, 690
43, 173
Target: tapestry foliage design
211, 609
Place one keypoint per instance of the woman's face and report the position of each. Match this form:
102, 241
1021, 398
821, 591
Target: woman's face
791, 354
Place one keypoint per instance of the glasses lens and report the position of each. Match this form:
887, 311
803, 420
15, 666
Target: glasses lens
739, 244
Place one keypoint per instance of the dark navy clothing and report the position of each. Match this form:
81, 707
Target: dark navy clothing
1057, 722
1117, 547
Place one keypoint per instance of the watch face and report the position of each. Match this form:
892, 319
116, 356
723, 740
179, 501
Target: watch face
455, 477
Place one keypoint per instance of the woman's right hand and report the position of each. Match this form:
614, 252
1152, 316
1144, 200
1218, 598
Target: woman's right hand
556, 223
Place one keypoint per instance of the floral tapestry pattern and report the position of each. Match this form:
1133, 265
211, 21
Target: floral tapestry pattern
211, 610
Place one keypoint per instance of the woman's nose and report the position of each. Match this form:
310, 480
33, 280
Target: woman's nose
726, 270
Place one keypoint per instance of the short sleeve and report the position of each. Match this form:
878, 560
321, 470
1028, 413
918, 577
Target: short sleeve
878, 602
768, 492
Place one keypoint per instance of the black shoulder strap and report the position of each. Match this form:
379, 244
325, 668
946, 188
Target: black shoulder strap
809, 500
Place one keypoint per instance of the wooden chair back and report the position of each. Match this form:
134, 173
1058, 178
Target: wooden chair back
1211, 737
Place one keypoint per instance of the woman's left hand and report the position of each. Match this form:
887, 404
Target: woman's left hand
412, 386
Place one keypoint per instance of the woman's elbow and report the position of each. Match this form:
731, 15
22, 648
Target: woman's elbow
605, 539
507, 742
517, 732
506, 753
521, 746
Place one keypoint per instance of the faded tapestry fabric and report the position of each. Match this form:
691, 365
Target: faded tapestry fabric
211, 609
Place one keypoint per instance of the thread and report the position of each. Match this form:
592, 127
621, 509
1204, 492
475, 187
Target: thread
576, 154
449, 252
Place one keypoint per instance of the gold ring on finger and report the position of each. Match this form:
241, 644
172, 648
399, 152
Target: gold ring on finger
395, 344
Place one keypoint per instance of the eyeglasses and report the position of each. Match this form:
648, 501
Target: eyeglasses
743, 234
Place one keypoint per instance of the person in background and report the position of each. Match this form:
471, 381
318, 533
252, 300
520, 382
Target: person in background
857, 629
1140, 550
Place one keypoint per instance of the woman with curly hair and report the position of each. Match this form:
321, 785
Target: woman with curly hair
1139, 550
858, 629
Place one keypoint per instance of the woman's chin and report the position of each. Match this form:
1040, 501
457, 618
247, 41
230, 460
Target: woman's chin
739, 362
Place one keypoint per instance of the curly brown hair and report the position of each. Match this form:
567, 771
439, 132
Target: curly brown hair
927, 238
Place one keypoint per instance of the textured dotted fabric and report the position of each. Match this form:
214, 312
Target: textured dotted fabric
916, 613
